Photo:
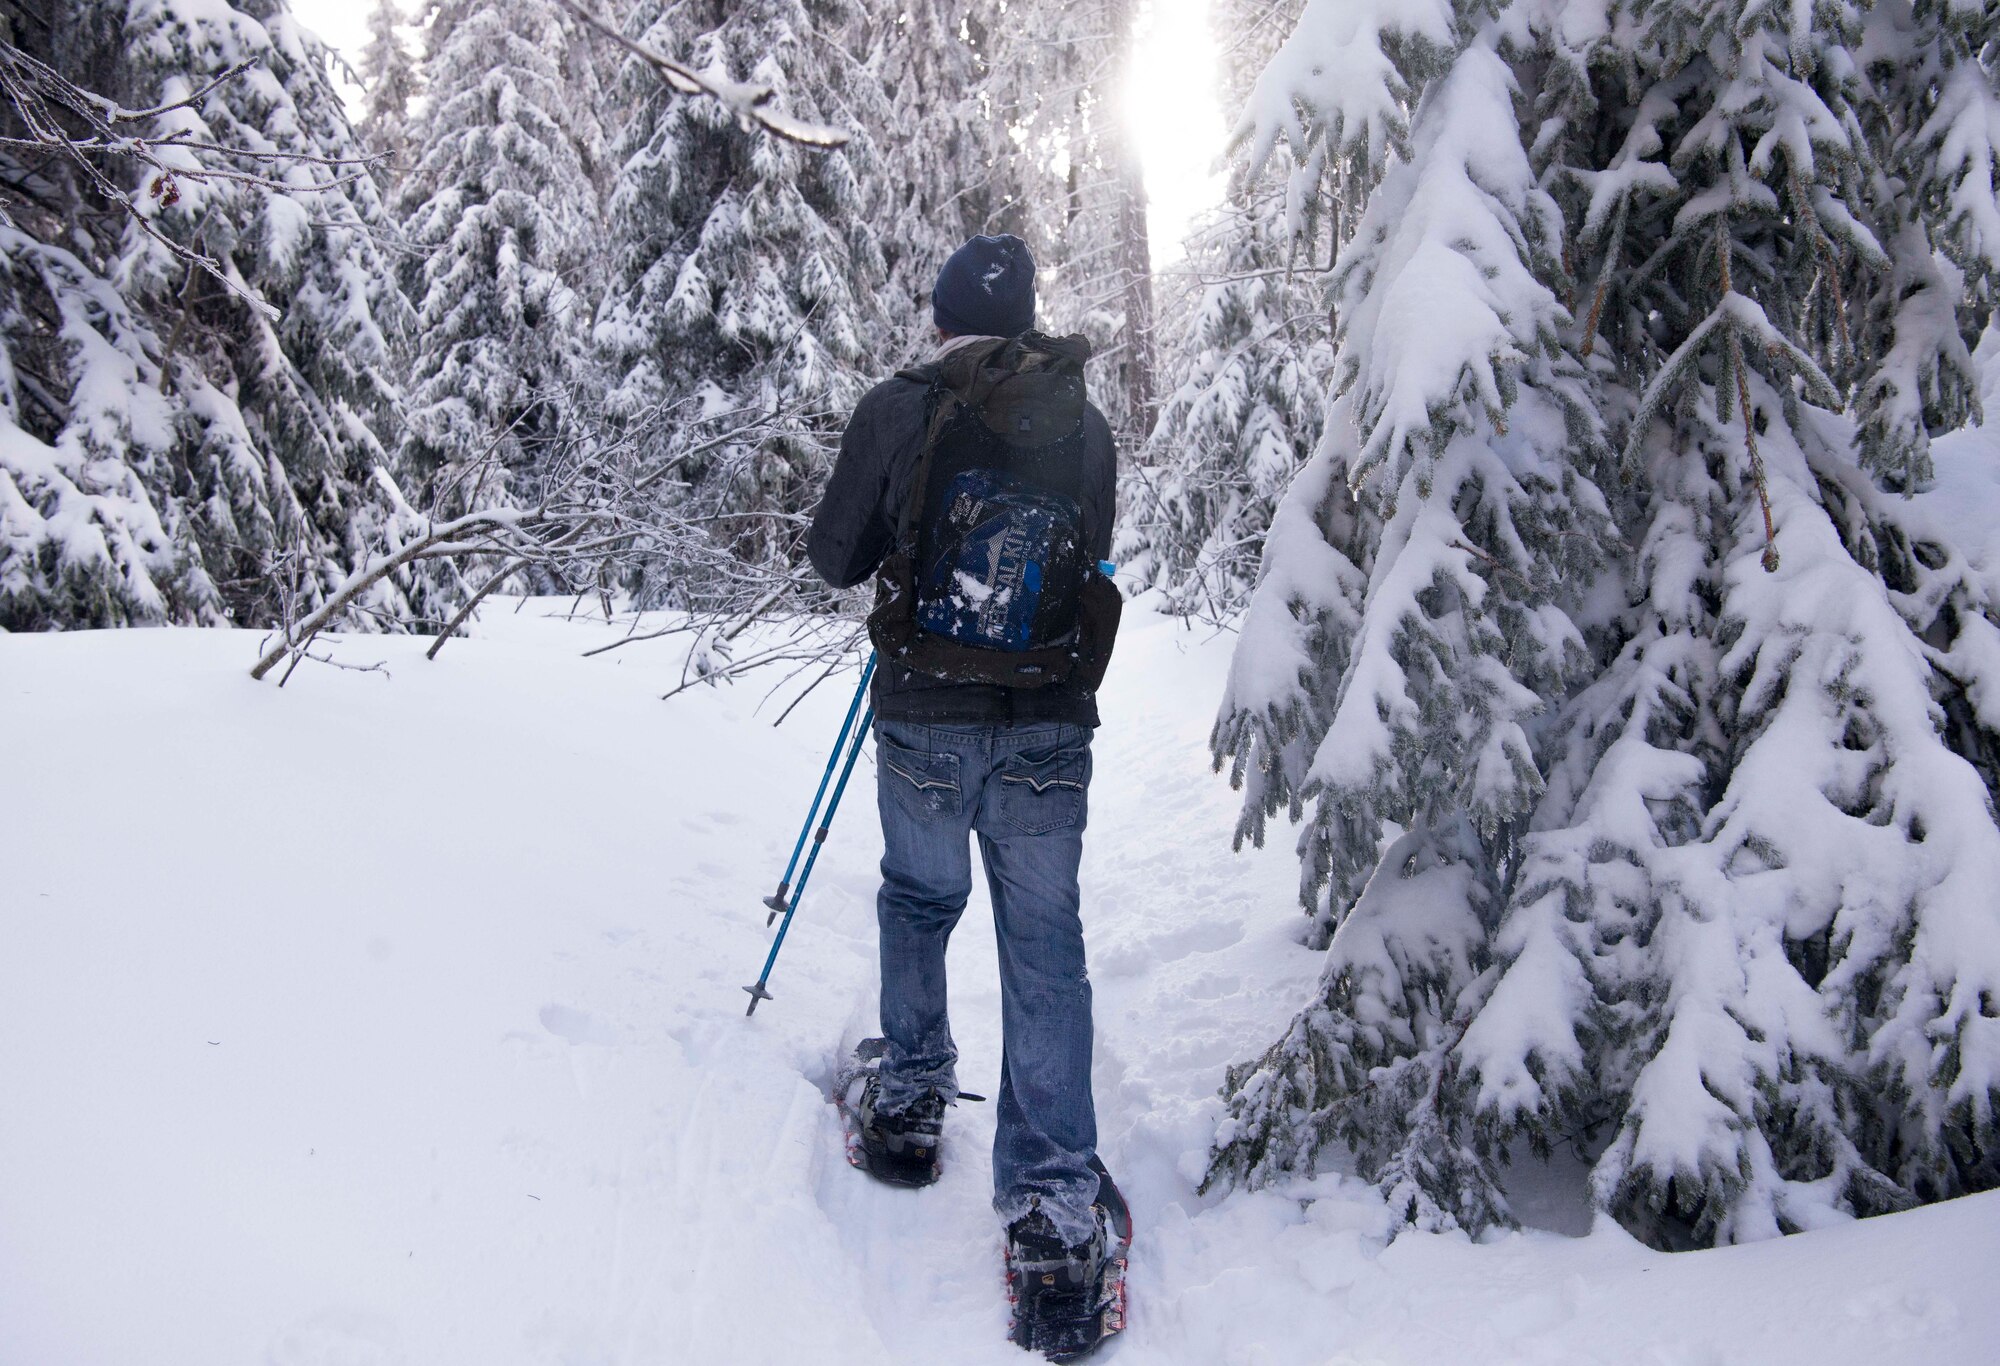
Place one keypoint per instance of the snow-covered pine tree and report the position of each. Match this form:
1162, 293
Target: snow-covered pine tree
390, 79
745, 310
1415, 613
317, 386
1244, 388
1810, 1013
199, 447
504, 207
90, 533
1738, 949
924, 92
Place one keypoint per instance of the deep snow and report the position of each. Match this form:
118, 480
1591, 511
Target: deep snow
399, 1020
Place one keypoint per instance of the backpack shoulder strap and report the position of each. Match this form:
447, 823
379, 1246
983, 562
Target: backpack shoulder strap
938, 404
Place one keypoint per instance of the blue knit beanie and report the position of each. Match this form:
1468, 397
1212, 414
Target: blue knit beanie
986, 289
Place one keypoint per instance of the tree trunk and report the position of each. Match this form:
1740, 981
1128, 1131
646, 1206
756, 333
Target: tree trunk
1134, 257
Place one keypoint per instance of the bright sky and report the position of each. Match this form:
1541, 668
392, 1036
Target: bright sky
344, 24
1175, 114
1172, 104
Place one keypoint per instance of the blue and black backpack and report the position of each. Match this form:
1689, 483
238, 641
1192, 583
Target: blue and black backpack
990, 580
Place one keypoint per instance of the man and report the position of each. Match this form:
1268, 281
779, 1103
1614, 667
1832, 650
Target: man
1010, 765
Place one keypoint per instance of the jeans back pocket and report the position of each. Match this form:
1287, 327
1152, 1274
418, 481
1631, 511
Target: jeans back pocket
1043, 790
925, 783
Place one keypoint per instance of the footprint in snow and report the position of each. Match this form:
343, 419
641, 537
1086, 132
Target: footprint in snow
576, 1026
1212, 986
1210, 936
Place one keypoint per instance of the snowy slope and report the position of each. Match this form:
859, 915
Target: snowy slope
398, 1020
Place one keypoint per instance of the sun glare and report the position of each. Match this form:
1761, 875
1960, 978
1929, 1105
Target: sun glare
1173, 113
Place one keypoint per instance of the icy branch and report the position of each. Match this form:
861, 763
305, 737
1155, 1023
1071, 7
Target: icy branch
604, 516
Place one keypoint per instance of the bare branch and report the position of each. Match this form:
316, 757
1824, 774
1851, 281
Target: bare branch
472, 605
439, 541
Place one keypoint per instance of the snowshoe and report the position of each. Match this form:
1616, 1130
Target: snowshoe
901, 1148
1066, 1300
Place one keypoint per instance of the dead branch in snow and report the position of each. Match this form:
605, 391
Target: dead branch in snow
474, 532
646, 504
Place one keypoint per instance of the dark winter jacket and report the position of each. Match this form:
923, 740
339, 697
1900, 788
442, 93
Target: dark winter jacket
855, 527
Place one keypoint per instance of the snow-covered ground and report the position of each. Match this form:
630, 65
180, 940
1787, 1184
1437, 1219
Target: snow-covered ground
399, 1020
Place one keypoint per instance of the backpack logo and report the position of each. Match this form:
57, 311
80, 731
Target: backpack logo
990, 564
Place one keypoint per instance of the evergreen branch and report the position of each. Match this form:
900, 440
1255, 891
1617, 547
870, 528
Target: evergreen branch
1496, 565
1615, 240
1823, 245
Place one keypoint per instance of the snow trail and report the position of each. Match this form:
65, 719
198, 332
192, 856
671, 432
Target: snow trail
396, 1022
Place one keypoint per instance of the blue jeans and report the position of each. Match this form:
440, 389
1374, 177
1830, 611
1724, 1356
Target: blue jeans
1022, 789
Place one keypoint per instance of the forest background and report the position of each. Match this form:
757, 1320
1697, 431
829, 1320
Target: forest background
1556, 405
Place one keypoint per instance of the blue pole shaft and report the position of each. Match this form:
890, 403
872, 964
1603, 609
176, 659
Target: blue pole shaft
777, 900
757, 992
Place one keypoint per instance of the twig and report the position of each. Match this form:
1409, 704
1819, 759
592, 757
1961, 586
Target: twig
41, 96
1498, 568
636, 639
826, 673
380, 666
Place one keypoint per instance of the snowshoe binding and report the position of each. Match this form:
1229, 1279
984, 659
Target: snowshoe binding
1067, 1299
899, 1148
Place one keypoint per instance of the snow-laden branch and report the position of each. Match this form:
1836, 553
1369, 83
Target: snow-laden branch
749, 101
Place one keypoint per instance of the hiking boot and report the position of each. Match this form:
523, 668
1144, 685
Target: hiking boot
1058, 1288
900, 1147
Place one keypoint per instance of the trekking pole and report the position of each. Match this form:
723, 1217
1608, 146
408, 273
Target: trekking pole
776, 901
757, 992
